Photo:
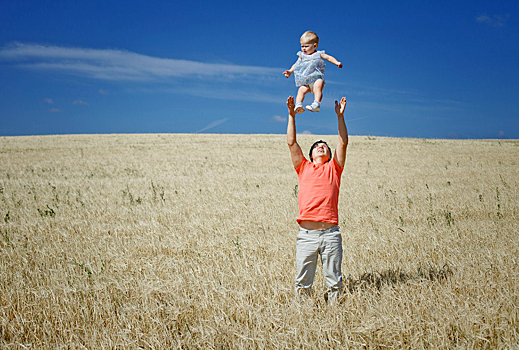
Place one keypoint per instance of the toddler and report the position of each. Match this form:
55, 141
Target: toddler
309, 72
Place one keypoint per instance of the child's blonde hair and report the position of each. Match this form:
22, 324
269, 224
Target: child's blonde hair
310, 37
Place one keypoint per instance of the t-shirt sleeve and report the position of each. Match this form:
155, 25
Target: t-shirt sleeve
299, 169
337, 167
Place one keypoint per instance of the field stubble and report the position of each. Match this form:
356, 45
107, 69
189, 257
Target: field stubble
188, 241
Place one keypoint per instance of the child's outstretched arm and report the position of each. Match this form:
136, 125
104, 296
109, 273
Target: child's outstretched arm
331, 59
289, 72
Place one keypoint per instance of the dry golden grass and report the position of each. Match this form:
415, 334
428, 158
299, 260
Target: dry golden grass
188, 241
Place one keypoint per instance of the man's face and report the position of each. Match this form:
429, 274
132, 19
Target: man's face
320, 150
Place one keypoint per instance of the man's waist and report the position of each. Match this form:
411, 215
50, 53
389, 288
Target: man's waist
316, 225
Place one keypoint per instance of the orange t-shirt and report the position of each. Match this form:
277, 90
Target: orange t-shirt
318, 196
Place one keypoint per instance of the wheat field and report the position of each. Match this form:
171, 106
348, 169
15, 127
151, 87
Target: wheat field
188, 242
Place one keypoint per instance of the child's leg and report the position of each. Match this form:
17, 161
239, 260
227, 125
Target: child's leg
318, 90
303, 90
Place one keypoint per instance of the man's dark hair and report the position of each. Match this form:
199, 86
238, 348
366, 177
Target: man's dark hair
315, 144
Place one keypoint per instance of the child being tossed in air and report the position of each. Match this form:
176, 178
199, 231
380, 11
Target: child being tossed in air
309, 72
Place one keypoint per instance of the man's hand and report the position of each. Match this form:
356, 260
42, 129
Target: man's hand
339, 107
339, 65
295, 150
287, 73
291, 106
340, 150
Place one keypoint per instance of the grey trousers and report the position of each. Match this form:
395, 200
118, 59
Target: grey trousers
310, 244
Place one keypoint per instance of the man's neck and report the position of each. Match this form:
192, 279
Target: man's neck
320, 160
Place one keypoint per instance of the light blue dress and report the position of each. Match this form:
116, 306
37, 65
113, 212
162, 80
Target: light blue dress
309, 68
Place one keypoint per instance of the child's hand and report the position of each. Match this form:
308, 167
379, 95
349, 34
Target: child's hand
339, 65
287, 73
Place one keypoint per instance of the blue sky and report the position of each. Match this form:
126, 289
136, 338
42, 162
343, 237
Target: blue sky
442, 69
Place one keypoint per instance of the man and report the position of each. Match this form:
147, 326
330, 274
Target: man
319, 182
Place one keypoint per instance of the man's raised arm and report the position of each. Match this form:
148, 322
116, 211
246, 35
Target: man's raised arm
295, 150
340, 151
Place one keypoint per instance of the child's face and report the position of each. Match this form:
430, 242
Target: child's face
308, 48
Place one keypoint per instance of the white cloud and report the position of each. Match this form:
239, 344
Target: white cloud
80, 102
494, 21
48, 100
306, 132
453, 135
120, 65
54, 110
484, 19
213, 124
279, 119
355, 119
152, 74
